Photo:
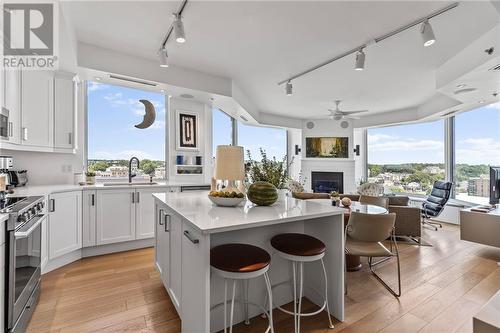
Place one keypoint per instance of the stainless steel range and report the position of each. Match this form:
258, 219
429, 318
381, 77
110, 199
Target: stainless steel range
23, 258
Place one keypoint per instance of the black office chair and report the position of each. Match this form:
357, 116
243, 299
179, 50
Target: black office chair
435, 202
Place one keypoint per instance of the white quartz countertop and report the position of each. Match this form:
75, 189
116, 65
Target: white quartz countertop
49, 189
202, 214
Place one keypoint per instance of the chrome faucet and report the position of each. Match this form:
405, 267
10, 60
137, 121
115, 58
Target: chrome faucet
130, 175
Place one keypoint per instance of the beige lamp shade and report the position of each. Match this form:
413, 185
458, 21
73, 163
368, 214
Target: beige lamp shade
229, 163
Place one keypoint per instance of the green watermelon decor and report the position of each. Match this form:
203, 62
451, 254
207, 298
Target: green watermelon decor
262, 193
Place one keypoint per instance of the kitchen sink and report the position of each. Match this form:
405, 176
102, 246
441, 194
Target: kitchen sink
130, 184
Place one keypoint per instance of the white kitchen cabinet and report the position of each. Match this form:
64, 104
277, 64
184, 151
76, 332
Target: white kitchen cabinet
64, 110
11, 91
44, 255
2, 284
89, 218
174, 226
115, 216
37, 109
145, 213
65, 223
162, 244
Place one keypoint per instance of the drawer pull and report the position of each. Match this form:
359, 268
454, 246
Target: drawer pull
160, 221
188, 236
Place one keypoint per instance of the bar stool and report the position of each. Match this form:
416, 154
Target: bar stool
240, 262
299, 249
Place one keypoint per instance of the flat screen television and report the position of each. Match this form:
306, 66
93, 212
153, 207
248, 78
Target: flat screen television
494, 185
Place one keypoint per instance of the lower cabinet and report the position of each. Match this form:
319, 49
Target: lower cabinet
115, 216
2, 286
89, 205
144, 213
65, 223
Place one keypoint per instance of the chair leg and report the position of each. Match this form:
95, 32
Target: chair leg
225, 305
396, 294
245, 292
301, 289
345, 276
294, 265
232, 308
270, 296
330, 324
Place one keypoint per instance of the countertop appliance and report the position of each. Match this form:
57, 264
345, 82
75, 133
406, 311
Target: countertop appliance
5, 125
23, 258
18, 178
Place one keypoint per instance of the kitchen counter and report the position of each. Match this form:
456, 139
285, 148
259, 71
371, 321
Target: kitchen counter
50, 189
197, 209
188, 225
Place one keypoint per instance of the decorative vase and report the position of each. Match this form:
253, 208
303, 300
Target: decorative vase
90, 180
335, 201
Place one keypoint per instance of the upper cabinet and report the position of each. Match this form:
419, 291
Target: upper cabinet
64, 111
37, 107
42, 110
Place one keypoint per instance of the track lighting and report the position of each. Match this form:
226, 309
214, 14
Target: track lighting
180, 36
427, 33
163, 55
288, 88
360, 60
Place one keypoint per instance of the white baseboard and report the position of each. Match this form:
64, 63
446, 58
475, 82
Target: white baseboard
73, 256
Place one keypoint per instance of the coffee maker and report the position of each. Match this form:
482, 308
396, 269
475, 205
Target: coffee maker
6, 164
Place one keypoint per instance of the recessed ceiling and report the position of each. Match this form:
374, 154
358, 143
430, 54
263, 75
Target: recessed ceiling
258, 44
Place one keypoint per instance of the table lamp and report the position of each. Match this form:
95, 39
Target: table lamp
229, 165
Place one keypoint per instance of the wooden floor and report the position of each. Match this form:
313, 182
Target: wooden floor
443, 286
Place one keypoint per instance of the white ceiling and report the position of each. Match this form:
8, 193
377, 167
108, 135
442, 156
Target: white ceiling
258, 44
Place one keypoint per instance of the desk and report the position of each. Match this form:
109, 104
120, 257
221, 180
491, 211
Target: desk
482, 228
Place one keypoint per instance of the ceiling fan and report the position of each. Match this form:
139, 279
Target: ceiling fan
338, 114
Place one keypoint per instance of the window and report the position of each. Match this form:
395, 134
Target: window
272, 140
113, 139
407, 158
222, 129
477, 147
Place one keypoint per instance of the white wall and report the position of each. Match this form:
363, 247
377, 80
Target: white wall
329, 128
360, 162
204, 138
294, 137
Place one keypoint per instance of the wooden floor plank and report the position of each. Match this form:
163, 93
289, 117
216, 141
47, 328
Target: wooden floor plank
443, 286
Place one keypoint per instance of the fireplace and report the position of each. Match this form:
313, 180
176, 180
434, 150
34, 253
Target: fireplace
326, 182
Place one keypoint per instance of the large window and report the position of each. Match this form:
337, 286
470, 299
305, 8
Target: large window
477, 147
407, 158
270, 139
112, 137
222, 129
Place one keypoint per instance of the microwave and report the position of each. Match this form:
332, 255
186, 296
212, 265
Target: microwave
4, 124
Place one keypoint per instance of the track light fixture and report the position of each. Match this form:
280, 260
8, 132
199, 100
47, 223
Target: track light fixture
289, 88
180, 36
360, 60
425, 30
163, 55
427, 33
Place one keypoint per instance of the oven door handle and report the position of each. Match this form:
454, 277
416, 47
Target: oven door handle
27, 233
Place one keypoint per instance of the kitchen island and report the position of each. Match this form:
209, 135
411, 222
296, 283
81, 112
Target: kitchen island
188, 225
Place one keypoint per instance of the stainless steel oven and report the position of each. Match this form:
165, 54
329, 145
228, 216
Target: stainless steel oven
5, 130
23, 269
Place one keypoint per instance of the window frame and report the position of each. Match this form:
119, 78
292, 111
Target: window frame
86, 127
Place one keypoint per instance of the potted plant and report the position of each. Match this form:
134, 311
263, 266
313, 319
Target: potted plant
90, 177
268, 170
335, 196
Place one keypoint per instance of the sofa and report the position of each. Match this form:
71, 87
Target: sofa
408, 223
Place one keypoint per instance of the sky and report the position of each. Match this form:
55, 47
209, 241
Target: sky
114, 110
477, 140
112, 113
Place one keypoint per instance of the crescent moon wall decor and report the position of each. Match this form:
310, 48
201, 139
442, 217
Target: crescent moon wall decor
149, 116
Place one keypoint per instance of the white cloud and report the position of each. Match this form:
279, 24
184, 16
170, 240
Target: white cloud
94, 86
122, 155
478, 151
399, 144
494, 106
373, 138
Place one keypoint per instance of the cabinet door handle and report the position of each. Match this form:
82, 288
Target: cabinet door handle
188, 236
70, 138
25, 134
133, 197
52, 206
11, 129
167, 222
92, 198
160, 221
138, 197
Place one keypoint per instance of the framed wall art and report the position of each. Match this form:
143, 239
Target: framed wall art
187, 130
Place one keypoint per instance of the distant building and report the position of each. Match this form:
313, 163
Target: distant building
433, 170
479, 187
160, 172
117, 171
